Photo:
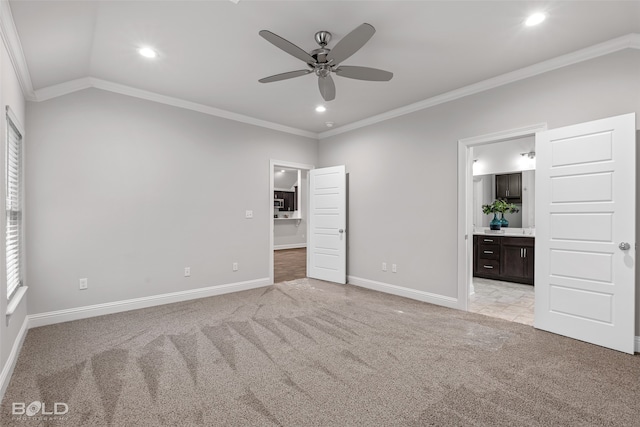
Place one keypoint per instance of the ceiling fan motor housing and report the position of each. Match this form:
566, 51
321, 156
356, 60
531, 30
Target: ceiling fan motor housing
323, 38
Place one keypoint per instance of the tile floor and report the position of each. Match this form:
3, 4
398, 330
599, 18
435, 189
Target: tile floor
506, 300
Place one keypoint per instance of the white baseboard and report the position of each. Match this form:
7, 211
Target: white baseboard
404, 292
10, 364
637, 341
52, 317
290, 246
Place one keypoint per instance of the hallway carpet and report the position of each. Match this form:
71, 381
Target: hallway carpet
311, 353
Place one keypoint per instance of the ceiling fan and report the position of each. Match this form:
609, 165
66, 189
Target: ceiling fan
324, 61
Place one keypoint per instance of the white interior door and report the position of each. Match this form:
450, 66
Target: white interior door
327, 248
585, 232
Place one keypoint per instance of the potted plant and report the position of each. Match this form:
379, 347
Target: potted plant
503, 206
499, 207
495, 223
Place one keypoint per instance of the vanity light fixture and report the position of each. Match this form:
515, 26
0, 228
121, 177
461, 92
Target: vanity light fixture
321, 109
535, 19
530, 154
147, 52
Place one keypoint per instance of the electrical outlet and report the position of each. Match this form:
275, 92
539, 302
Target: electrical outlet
248, 214
187, 272
83, 283
384, 266
394, 268
235, 266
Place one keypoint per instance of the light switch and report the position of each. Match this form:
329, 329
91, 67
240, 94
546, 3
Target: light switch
248, 214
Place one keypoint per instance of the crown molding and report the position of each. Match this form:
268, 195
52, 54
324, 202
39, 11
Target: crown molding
595, 51
11, 40
66, 88
61, 89
188, 105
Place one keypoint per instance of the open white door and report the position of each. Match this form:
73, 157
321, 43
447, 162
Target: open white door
327, 248
585, 232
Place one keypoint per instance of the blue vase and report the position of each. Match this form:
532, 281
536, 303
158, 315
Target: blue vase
495, 222
504, 221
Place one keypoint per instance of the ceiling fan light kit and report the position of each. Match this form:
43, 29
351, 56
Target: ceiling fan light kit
324, 61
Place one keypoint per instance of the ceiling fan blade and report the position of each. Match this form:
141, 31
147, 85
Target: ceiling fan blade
351, 43
284, 76
364, 73
327, 88
287, 46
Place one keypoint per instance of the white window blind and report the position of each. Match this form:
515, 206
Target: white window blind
14, 208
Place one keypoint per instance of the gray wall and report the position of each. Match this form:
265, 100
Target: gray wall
127, 192
403, 172
11, 95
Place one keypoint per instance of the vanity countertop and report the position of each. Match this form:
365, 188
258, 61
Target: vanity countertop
513, 232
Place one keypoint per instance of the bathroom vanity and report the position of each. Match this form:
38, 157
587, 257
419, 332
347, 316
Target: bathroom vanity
506, 257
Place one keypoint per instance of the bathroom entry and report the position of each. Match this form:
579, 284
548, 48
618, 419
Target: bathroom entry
503, 260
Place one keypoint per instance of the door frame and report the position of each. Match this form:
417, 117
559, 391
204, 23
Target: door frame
285, 164
465, 201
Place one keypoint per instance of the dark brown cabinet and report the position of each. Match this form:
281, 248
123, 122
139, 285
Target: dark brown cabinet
288, 201
289, 198
504, 258
509, 187
517, 259
486, 256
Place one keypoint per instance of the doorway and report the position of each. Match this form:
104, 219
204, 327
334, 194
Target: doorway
288, 204
483, 163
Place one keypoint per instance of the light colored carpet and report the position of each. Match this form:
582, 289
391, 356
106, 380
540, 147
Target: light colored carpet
310, 353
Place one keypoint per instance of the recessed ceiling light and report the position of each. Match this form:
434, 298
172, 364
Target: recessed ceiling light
535, 19
329, 124
321, 108
282, 170
147, 52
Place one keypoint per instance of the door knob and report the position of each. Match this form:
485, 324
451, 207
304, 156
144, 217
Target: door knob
341, 231
624, 246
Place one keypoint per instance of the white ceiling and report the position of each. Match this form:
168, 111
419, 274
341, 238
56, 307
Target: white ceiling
284, 180
211, 53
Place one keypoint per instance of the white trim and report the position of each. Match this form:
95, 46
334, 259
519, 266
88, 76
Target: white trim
59, 316
637, 346
504, 135
272, 164
10, 364
624, 42
92, 82
465, 201
404, 292
14, 119
11, 40
14, 302
289, 246
61, 89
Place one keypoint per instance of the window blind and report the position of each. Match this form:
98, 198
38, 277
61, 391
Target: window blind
14, 208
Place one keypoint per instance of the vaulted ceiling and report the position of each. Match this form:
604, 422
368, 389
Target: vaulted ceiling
210, 52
